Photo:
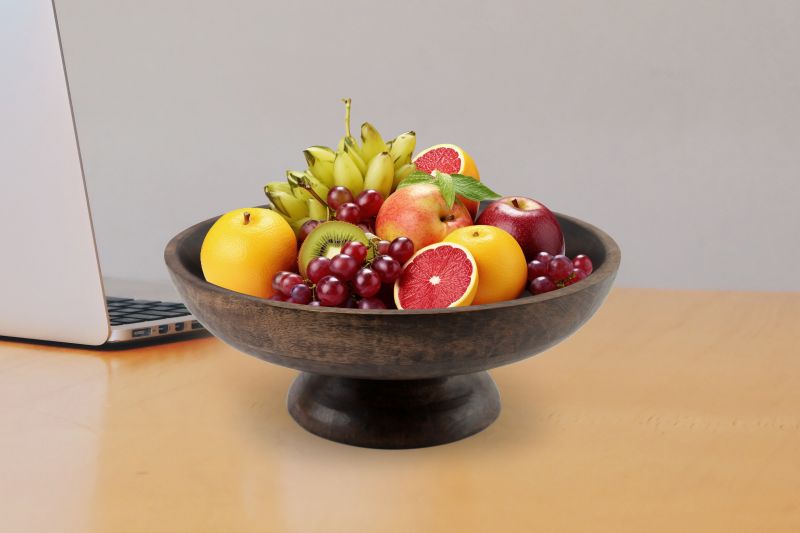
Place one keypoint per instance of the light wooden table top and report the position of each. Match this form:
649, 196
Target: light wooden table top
669, 411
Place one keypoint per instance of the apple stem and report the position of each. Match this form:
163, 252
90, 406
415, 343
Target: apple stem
449, 217
347, 102
515, 202
246, 217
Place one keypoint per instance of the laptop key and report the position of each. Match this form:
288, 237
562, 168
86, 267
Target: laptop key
114, 299
141, 317
144, 302
123, 321
173, 315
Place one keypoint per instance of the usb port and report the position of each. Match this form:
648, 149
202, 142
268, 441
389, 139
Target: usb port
196, 325
179, 326
141, 332
163, 328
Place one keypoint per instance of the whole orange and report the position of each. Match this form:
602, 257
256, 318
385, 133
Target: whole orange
502, 270
245, 248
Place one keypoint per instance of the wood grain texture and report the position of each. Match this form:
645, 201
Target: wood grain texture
668, 411
394, 344
394, 414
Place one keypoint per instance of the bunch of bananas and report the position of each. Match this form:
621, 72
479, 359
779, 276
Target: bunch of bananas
375, 164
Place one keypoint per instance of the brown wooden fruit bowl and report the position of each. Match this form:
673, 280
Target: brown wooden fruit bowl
389, 378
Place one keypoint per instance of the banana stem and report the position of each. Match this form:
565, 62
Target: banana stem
347, 102
304, 183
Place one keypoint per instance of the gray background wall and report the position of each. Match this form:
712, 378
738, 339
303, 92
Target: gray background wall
674, 125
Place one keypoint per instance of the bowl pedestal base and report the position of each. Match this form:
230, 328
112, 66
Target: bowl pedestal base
394, 413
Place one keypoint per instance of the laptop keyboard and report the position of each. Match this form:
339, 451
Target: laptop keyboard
122, 311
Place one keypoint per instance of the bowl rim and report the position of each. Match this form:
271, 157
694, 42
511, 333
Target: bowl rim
607, 269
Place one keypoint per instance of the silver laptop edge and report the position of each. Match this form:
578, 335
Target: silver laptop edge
51, 285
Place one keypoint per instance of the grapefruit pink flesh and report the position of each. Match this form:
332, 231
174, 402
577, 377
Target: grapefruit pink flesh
443, 159
439, 275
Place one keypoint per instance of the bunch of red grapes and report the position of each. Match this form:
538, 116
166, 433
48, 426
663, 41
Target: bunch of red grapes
360, 210
348, 279
548, 272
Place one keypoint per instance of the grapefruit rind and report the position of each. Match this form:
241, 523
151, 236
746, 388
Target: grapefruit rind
471, 290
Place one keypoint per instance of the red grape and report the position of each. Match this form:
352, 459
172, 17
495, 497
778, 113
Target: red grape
301, 294
536, 268
544, 257
307, 227
383, 247
331, 291
338, 196
386, 295
344, 267
402, 248
370, 201
541, 285
371, 303
289, 281
576, 276
277, 279
366, 227
348, 212
277, 297
584, 263
387, 268
350, 303
560, 267
355, 249
367, 283
318, 268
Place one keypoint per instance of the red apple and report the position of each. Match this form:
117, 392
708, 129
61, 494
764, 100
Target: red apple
420, 213
530, 222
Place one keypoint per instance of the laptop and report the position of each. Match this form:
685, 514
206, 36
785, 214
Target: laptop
51, 286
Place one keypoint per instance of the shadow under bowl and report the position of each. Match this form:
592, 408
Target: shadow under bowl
390, 378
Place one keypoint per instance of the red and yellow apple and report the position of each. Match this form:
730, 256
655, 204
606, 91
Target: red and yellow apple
420, 213
530, 222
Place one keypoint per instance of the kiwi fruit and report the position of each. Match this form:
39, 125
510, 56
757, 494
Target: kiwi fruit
326, 240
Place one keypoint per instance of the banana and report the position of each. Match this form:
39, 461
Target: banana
316, 210
402, 148
302, 194
288, 205
298, 180
372, 142
320, 188
277, 186
380, 174
402, 173
346, 173
352, 150
320, 163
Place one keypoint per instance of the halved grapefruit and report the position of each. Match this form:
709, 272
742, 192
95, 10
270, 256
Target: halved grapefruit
450, 159
440, 275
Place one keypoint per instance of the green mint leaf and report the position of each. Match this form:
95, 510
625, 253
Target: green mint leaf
416, 177
469, 187
446, 185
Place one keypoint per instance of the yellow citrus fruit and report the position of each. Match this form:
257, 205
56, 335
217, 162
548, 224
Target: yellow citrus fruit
245, 248
450, 159
502, 270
